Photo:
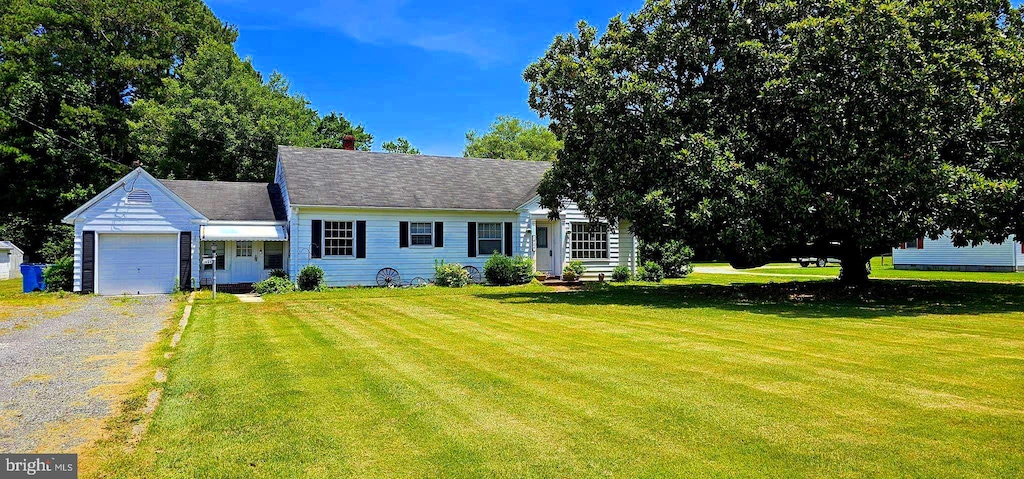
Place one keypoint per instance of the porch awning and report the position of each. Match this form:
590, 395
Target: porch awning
242, 232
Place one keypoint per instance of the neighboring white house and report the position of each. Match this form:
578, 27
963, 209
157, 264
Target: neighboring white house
350, 212
940, 254
10, 260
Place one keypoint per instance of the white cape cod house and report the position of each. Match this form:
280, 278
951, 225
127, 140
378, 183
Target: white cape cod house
350, 212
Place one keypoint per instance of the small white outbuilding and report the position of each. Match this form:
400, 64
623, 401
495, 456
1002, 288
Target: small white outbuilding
10, 260
942, 255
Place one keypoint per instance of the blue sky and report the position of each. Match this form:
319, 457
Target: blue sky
425, 70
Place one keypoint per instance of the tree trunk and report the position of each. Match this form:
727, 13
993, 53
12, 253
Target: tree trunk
854, 270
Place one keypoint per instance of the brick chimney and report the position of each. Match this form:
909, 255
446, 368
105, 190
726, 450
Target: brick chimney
348, 142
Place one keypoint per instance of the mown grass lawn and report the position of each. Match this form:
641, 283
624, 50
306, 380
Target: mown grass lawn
885, 270
697, 380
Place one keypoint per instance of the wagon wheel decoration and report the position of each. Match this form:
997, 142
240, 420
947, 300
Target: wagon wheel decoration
388, 277
474, 274
418, 282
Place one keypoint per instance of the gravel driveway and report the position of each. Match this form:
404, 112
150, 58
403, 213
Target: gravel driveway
60, 376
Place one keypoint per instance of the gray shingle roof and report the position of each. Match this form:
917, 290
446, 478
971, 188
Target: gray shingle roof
231, 201
7, 245
326, 177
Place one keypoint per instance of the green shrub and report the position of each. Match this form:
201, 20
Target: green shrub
279, 273
574, 270
60, 275
273, 285
504, 270
650, 271
311, 278
674, 256
621, 274
60, 242
450, 274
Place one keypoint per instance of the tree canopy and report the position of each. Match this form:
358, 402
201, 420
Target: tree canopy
69, 75
219, 109
400, 145
87, 89
768, 126
513, 139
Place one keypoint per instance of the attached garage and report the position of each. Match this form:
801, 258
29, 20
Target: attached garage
136, 263
141, 234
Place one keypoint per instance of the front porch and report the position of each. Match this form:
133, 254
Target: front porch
242, 254
546, 243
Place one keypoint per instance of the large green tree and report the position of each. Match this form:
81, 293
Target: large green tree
88, 88
219, 109
513, 139
69, 74
766, 126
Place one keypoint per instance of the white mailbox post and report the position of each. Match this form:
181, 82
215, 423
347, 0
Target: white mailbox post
214, 260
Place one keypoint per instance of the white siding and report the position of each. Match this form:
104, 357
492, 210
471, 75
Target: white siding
382, 247
10, 264
5, 265
620, 240
941, 254
627, 247
1019, 246
112, 214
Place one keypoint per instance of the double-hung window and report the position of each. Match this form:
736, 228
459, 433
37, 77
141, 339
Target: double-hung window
421, 234
589, 241
339, 238
489, 238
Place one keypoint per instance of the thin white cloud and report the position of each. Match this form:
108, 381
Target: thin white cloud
382, 22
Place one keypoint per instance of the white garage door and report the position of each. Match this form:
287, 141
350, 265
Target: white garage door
137, 263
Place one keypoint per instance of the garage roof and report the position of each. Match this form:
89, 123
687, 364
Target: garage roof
231, 201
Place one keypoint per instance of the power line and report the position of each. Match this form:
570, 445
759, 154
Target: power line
50, 131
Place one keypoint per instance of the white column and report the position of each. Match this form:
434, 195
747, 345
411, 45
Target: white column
532, 246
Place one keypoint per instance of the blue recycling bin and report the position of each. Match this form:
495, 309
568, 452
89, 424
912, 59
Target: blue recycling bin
32, 278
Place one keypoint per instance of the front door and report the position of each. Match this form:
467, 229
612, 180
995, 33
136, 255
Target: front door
245, 268
545, 253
